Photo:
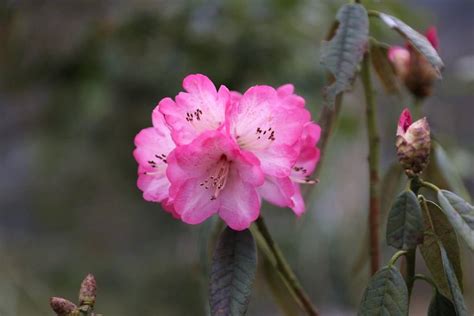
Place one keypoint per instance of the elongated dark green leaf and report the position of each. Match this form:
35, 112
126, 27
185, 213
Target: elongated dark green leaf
232, 273
439, 228
405, 222
441, 306
344, 52
456, 294
386, 294
460, 214
383, 67
418, 41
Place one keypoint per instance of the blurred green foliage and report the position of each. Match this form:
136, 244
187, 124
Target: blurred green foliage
78, 80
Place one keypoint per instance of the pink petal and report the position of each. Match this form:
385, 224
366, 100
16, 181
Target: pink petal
154, 187
404, 122
298, 201
400, 58
285, 90
201, 108
240, 203
277, 191
152, 147
193, 206
432, 36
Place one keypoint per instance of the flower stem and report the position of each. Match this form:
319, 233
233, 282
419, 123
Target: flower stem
285, 271
374, 153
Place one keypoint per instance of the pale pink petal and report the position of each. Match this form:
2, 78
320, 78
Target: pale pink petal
277, 160
192, 205
285, 90
201, 108
259, 120
154, 186
240, 203
277, 191
152, 147
400, 58
298, 201
249, 168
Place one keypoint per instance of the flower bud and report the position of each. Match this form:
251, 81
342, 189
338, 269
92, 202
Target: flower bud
413, 69
87, 292
413, 144
62, 307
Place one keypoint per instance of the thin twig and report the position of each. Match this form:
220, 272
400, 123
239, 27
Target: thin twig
374, 154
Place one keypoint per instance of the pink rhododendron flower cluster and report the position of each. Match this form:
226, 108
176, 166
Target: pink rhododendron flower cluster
215, 151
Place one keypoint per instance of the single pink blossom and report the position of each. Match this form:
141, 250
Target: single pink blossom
219, 152
153, 145
268, 125
202, 108
211, 175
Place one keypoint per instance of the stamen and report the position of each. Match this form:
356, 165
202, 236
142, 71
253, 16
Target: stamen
218, 179
305, 180
258, 140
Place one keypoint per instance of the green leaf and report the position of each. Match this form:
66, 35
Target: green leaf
232, 273
454, 288
343, 53
460, 214
418, 41
439, 229
441, 306
441, 171
386, 294
383, 67
405, 222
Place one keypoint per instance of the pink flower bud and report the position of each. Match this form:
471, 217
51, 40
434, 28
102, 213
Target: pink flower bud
87, 292
413, 144
413, 68
400, 58
62, 307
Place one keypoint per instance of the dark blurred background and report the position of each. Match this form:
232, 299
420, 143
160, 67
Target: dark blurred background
79, 79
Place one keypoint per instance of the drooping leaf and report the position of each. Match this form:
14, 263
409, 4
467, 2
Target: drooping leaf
442, 172
232, 273
392, 183
440, 306
418, 41
383, 67
437, 229
343, 53
456, 294
460, 214
405, 222
386, 294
